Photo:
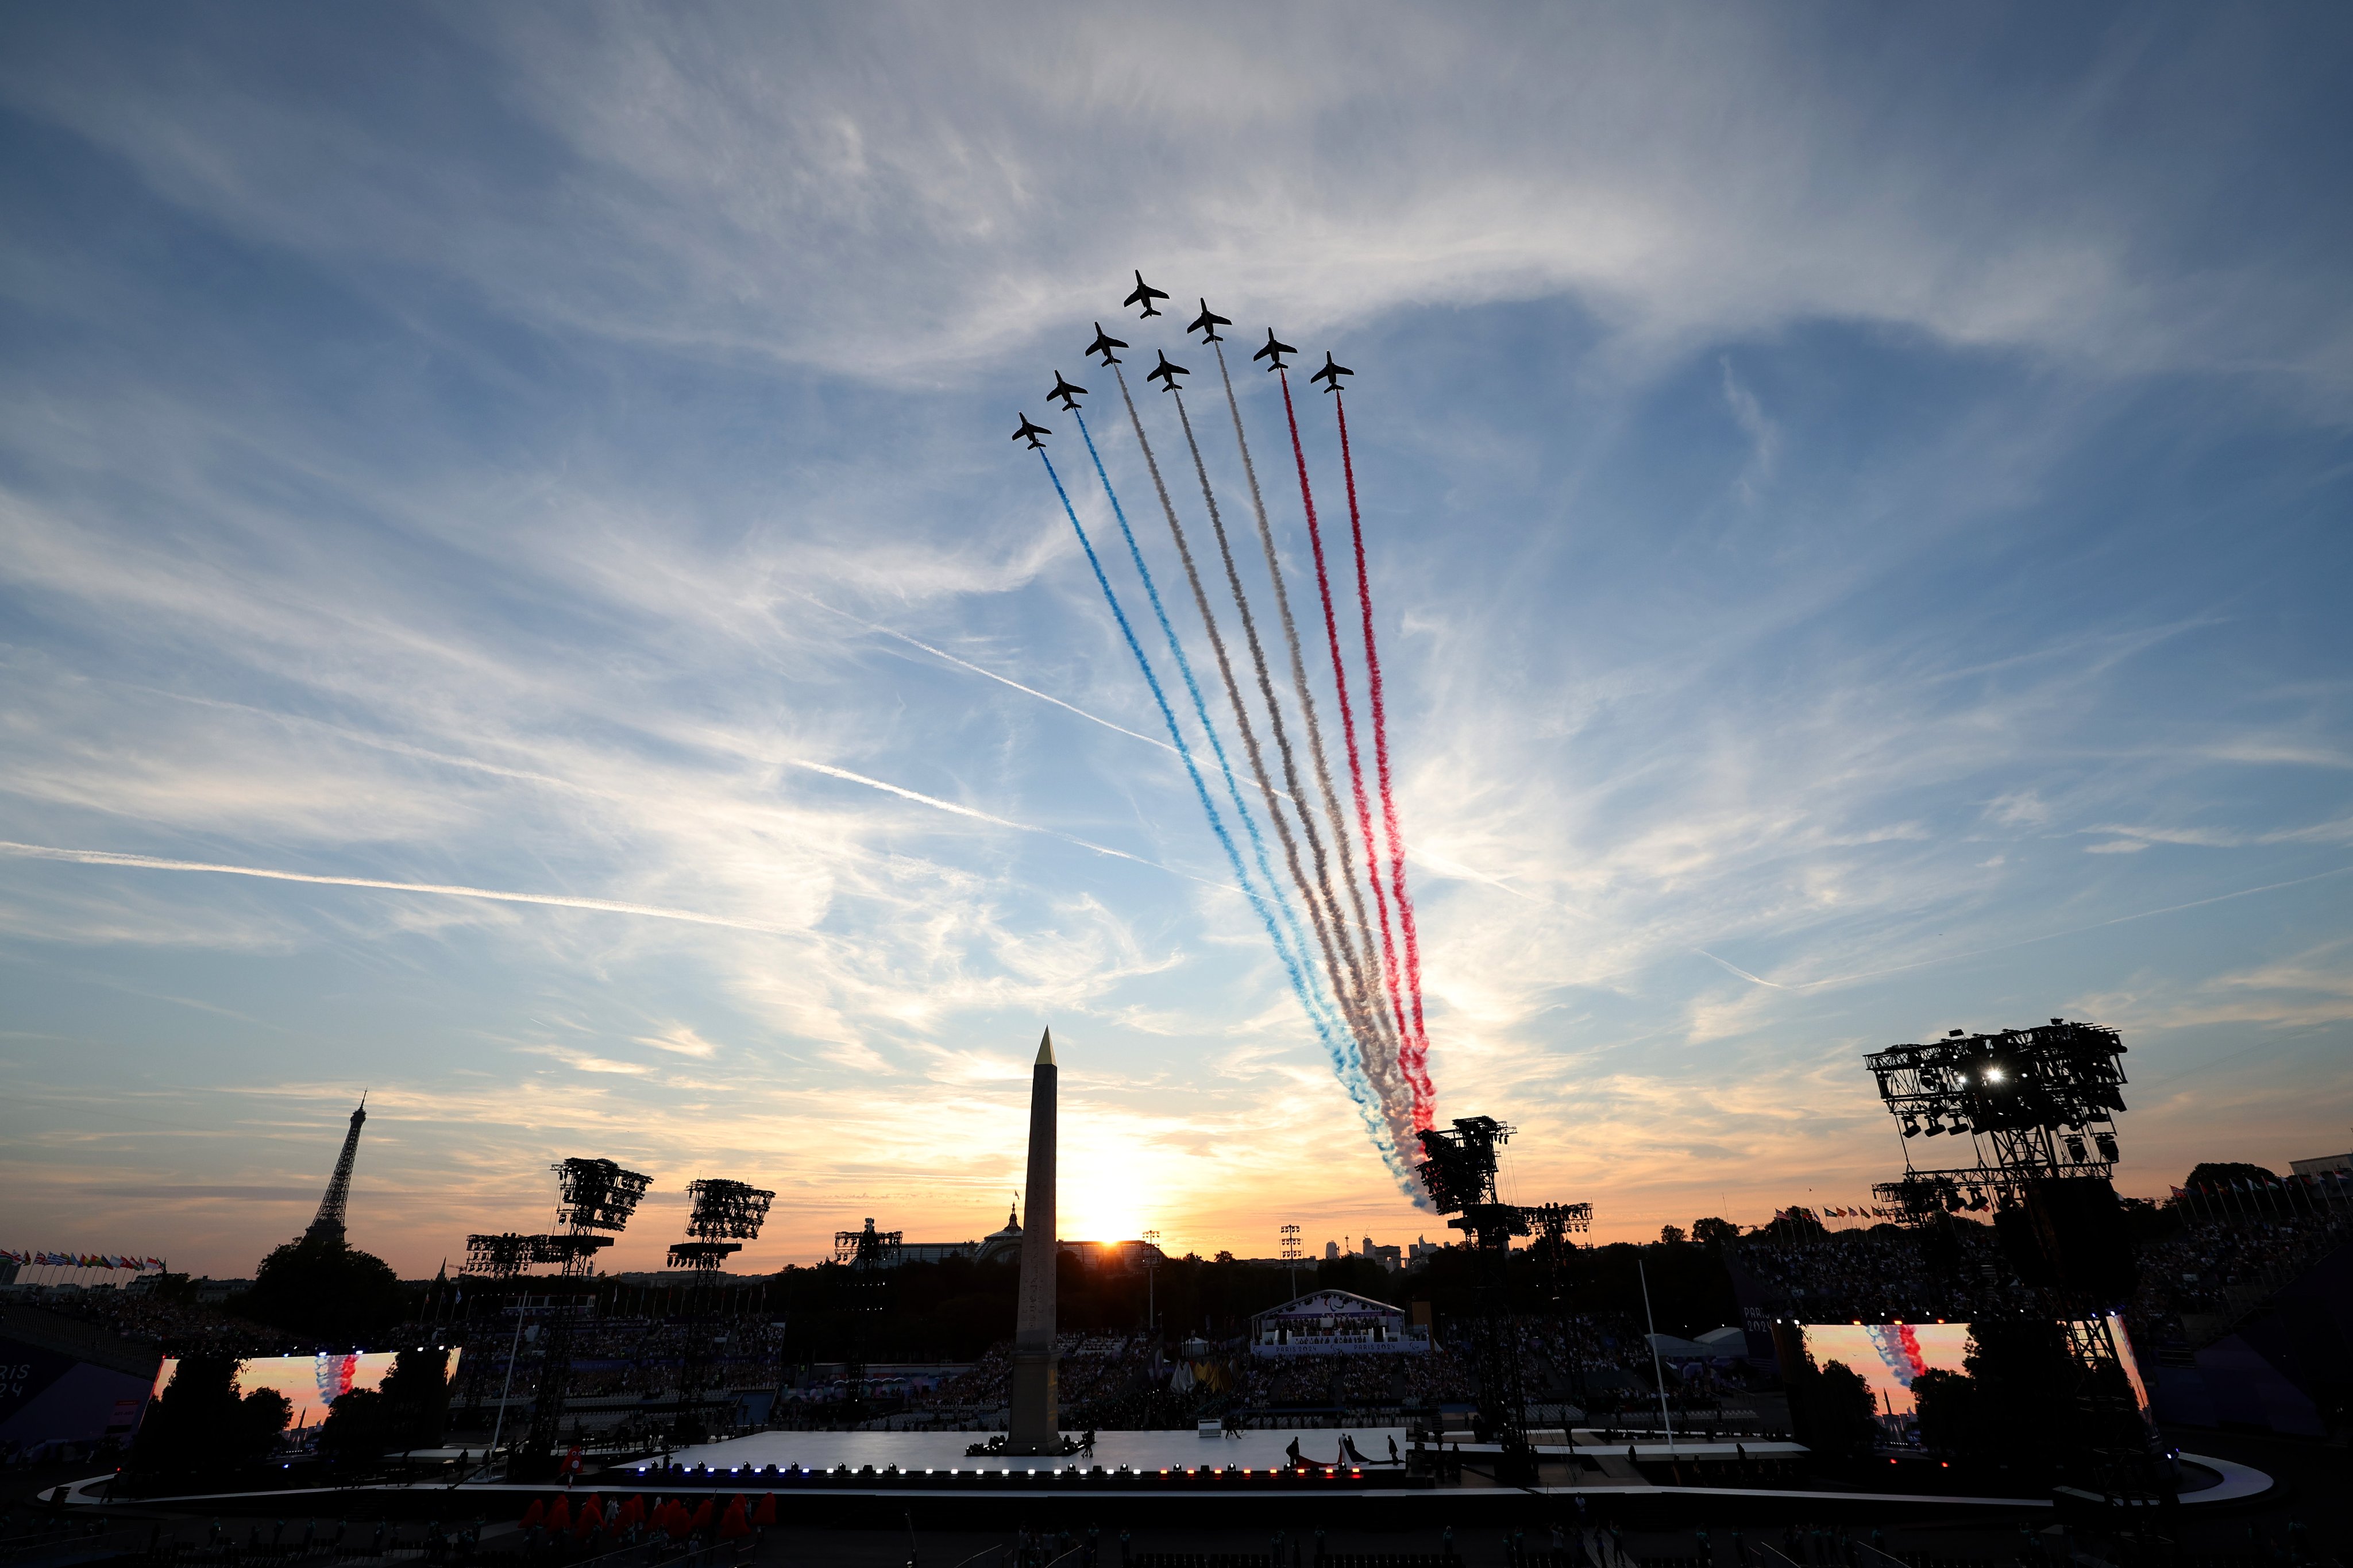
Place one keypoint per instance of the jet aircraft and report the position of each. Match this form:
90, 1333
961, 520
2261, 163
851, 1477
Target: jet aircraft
1066, 392
1166, 372
1275, 349
1105, 342
1145, 294
1331, 372
1208, 322
1033, 432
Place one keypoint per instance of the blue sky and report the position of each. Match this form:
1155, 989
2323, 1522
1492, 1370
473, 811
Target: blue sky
1856, 506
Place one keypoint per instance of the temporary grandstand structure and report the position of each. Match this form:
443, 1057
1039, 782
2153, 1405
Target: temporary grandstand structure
1334, 1322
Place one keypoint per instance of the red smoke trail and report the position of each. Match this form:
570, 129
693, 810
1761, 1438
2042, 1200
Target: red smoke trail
1356, 765
1414, 1055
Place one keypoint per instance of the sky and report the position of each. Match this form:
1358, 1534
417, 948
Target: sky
1856, 509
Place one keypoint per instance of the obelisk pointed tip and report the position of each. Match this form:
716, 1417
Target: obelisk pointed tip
1046, 1050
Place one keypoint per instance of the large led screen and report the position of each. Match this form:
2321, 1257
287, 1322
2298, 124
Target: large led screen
1888, 1356
310, 1383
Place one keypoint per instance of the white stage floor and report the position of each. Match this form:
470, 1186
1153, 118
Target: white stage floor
946, 1450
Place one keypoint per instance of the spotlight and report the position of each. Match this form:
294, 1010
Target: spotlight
2107, 1145
1933, 1126
1993, 1075
1911, 1127
2074, 1149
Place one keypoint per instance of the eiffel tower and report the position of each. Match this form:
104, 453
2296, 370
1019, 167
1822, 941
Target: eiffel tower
329, 1226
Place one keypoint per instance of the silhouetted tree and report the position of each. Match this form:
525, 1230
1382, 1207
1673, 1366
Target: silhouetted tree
1714, 1232
2220, 1173
1947, 1413
1797, 1224
410, 1410
203, 1427
1834, 1412
324, 1291
2025, 1384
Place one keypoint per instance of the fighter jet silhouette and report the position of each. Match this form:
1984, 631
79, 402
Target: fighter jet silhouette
1208, 322
1275, 349
1331, 372
1033, 432
1105, 342
1066, 392
1167, 373
1145, 294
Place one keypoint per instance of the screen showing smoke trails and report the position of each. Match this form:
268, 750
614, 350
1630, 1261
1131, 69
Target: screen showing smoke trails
1889, 1356
310, 1383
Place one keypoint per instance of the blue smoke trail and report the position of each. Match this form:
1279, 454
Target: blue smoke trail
1304, 982
1184, 750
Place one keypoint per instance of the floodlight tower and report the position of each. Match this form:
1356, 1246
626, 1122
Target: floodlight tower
595, 1199
1459, 1173
1291, 1255
866, 1254
724, 1215
2038, 1108
1554, 1223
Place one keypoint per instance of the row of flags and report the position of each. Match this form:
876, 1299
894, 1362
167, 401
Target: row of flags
2305, 1180
79, 1260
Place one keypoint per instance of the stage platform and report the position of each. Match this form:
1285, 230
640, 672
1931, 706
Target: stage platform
942, 1452
863, 1479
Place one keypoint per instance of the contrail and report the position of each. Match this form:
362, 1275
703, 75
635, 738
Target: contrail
880, 630
1200, 788
1758, 979
1348, 725
1417, 1052
446, 889
1331, 931
402, 748
948, 806
1321, 767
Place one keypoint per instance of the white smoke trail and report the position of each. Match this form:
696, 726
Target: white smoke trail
1348, 979
1369, 977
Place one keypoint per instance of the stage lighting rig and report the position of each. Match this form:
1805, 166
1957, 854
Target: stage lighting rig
2038, 1107
596, 1195
2035, 1095
724, 1215
1459, 1172
500, 1257
868, 1249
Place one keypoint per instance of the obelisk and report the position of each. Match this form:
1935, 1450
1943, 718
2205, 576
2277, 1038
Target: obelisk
1035, 1427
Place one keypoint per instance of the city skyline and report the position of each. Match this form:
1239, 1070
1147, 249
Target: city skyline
516, 599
